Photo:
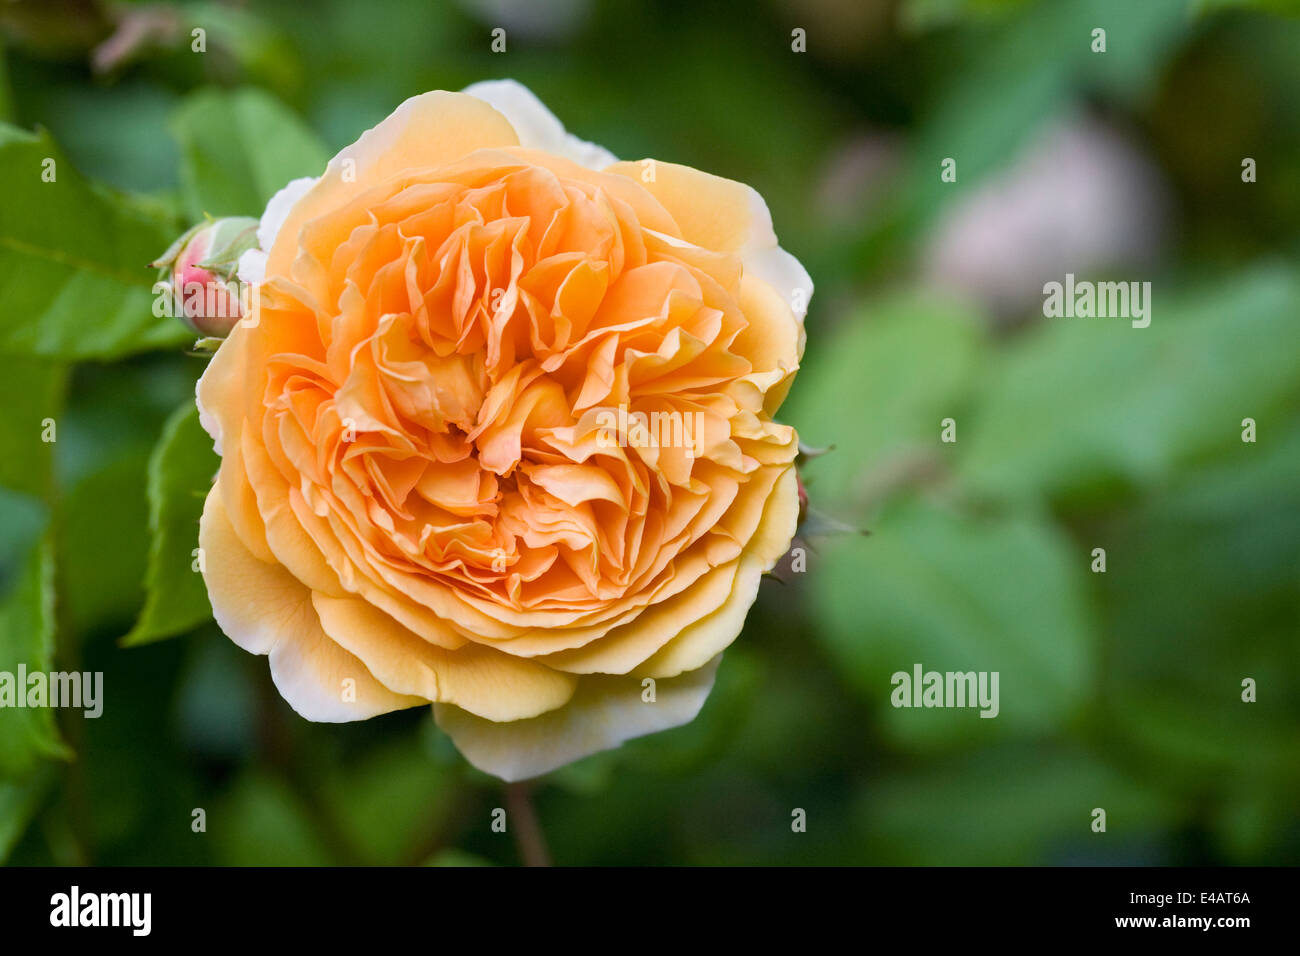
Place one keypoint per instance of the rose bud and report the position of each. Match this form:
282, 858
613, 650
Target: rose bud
199, 269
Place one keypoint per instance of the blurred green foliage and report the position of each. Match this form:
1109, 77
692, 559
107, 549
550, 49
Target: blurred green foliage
1120, 690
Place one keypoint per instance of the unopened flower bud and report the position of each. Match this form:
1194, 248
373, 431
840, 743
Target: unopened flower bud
199, 269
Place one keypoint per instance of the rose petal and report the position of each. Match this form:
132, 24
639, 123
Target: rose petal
265, 610
426, 130
485, 682
710, 635
252, 266
725, 216
278, 208
538, 128
630, 645
604, 712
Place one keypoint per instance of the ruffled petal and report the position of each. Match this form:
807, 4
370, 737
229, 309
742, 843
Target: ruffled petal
482, 681
426, 130
266, 610
727, 216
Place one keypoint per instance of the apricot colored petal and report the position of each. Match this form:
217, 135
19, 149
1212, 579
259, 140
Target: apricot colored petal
265, 610
482, 681
703, 638
426, 130
627, 646
605, 711
724, 216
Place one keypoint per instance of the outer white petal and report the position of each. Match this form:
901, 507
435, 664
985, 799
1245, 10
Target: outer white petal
537, 126
604, 712
209, 422
252, 266
278, 208
784, 273
768, 261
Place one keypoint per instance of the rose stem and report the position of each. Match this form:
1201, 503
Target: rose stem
525, 825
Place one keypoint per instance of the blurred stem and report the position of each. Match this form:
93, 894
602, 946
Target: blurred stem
525, 825
909, 468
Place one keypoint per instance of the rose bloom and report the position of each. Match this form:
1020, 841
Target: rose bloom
422, 498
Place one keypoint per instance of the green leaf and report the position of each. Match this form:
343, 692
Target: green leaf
74, 257
391, 803
107, 432
264, 822
31, 393
23, 520
877, 391
112, 130
957, 593
28, 735
19, 802
102, 546
1218, 553
1085, 404
239, 149
1010, 806
1210, 745
180, 474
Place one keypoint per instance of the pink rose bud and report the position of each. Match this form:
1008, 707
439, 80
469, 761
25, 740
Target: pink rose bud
199, 269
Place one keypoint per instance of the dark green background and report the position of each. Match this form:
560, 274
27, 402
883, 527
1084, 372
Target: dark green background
1119, 690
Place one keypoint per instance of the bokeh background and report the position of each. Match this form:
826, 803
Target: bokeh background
1120, 690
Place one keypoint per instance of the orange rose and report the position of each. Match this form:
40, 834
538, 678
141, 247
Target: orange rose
497, 432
